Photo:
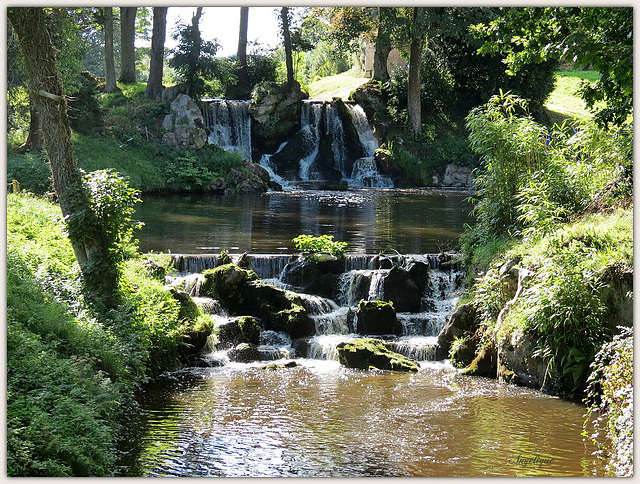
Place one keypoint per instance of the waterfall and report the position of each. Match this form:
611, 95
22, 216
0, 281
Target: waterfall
365, 175
365, 133
229, 125
334, 128
310, 118
267, 164
335, 318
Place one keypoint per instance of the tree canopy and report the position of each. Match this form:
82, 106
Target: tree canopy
599, 38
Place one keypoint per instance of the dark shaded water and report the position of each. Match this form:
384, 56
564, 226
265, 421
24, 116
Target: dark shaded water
324, 420
370, 221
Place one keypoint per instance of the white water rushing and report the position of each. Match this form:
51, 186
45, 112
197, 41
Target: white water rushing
335, 319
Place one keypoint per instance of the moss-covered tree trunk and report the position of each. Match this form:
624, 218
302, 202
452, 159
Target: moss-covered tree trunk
383, 46
35, 141
127, 44
154, 83
47, 93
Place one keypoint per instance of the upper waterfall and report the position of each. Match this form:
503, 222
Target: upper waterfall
229, 125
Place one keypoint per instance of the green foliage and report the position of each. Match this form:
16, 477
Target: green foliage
311, 245
560, 305
71, 371
194, 171
104, 219
610, 398
85, 114
598, 38
193, 59
31, 170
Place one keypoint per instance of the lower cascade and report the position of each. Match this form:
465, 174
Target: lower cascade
422, 291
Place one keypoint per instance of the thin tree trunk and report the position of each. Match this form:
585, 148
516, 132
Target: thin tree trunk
284, 13
127, 44
110, 85
35, 140
47, 92
154, 83
415, 58
197, 47
243, 74
383, 47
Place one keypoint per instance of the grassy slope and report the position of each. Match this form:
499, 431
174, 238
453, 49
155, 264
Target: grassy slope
339, 85
564, 101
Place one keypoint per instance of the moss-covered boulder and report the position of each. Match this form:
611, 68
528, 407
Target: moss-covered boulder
376, 317
244, 353
368, 353
275, 109
243, 293
244, 329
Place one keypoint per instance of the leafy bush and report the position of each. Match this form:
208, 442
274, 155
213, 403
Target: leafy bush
610, 395
85, 114
72, 371
31, 170
311, 245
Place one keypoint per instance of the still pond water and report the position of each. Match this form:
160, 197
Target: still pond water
321, 419
370, 221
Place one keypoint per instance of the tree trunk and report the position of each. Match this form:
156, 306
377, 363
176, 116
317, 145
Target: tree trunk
383, 47
154, 83
243, 74
47, 93
415, 58
35, 140
110, 85
197, 48
284, 13
127, 44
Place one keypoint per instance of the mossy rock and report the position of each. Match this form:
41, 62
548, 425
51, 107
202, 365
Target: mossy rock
365, 353
244, 353
244, 329
189, 310
377, 317
225, 280
280, 366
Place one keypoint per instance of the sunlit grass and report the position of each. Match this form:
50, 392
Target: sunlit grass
340, 85
565, 99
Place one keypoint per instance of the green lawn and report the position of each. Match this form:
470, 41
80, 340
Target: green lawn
339, 85
565, 99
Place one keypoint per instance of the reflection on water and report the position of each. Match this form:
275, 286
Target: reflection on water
370, 221
325, 420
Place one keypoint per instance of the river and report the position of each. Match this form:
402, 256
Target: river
319, 418
370, 221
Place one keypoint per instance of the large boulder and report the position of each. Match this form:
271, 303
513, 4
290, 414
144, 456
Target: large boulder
243, 293
377, 318
314, 275
244, 353
368, 353
400, 288
276, 116
456, 176
463, 321
185, 124
244, 329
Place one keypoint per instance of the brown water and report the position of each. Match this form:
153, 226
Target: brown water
325, 420
370, 221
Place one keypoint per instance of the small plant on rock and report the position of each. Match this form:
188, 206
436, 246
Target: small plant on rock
311, 245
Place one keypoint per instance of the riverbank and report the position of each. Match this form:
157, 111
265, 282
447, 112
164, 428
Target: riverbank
73, 371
